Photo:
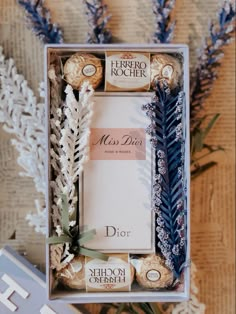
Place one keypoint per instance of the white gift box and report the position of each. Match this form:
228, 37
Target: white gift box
127, 239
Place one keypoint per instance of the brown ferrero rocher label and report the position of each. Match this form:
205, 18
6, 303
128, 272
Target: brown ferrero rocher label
127, 71
112, 275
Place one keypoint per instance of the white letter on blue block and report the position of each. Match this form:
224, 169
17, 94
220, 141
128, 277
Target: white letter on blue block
13, 287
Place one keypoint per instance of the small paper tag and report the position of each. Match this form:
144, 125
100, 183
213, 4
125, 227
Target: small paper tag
111, 275
127, 71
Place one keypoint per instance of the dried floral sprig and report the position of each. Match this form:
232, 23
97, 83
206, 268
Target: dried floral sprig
166, 136
164, 28
205, 73
73, 141
24, 118
38, 219
202, 80
98, 18
56, 252
56, 123
198, 145
70, 131
76, 132
39, 20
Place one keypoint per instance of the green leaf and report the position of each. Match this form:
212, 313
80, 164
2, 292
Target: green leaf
146, 308
198, 136
133, 309
213, 148
200, 122
105, 309
57, 240
65, 215
198, 141
201, 169
120, 308
155, 308
210, 125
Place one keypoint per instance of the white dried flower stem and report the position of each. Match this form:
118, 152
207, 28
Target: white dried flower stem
74, 140
24, 117
56, 123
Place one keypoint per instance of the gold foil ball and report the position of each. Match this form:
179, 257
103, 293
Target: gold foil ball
81, 67
73, 275
132, 273
152, 273
166, 67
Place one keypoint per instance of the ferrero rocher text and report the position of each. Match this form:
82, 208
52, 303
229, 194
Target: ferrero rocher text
107, 275
127, 71
116, 274
128, 68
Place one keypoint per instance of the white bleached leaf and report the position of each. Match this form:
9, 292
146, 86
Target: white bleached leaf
24, 117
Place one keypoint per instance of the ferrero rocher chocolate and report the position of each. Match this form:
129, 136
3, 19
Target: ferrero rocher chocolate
127, 71
81, 67
115, 274
152, 273
73, 275
165, 67
132, 273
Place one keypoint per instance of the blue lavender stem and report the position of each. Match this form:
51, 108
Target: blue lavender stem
205, 73
166, 137
164, 27
39, 20
96, 12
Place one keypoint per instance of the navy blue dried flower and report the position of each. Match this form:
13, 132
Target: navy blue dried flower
98, 18
164, 27
205, 74
166, 137
202, 81
39, 20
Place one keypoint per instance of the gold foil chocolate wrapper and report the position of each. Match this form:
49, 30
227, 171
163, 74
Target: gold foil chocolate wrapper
132, 273
151, 272
166, 67
81, 67
73, 275
115, 274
